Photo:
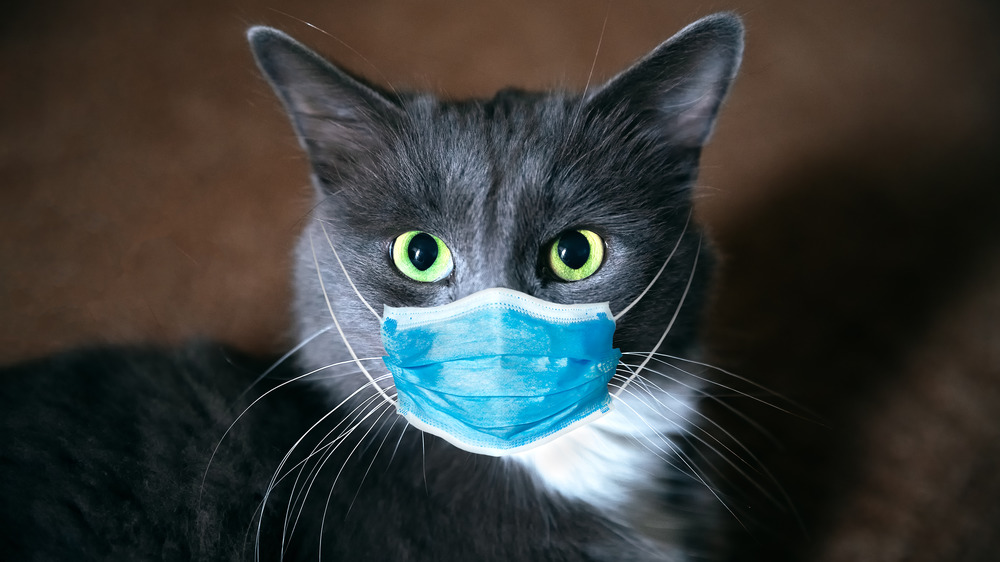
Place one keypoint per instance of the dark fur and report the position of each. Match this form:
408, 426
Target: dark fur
105, 450
104, 453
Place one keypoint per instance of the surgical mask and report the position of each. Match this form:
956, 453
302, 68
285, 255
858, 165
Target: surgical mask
500, 371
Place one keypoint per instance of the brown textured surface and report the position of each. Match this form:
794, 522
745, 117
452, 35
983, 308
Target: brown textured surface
150, 189
870, 299
934, 493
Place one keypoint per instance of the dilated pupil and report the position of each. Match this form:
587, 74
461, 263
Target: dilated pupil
573, 249
422, 251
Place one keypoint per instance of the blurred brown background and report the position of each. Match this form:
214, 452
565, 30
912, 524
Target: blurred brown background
150, 190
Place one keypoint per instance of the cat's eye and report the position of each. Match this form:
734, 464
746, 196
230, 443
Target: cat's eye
421, 256
576, 255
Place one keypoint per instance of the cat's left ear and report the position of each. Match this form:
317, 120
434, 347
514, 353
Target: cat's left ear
678, 87
338, 118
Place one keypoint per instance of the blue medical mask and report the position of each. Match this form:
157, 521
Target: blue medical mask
500, 371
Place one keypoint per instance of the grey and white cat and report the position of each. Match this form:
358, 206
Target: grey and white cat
111, 453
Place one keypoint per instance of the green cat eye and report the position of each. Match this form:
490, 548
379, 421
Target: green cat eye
421, 256
576, 255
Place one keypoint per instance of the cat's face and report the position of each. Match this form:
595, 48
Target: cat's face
498, 182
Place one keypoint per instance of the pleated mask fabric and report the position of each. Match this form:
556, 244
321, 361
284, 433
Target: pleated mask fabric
500, 371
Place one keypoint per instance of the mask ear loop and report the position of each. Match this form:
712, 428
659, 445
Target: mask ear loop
670, 325
662, 267
340, 330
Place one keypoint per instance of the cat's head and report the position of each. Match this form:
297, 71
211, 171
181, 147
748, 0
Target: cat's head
497, 182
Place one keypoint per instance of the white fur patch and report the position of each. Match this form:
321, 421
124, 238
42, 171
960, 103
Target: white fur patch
618, 462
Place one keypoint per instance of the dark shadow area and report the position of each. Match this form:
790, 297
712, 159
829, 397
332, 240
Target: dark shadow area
828, 289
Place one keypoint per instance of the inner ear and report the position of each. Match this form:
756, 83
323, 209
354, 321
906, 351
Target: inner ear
679, 86
337, 117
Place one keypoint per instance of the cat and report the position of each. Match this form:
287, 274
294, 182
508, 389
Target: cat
201, 452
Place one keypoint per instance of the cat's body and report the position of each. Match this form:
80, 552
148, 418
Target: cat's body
105, 450
110, 448
99, 475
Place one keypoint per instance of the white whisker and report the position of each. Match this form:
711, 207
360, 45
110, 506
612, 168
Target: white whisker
291, 450
322, 225
662, 267
646, 382
677, 310
740, 378
756, 465
398, 441
382, 76
385, 409
324, 448
692, 470
423, 460
340, 330
660, 452
247, 409
284, 357
374, 456
688, 434
709, 395
593, 65
657, 400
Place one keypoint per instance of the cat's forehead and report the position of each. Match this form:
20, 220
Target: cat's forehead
493, 164
486, 157
513, 144
513, 129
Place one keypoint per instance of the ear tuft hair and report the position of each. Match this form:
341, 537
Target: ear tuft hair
337, 117
680, 85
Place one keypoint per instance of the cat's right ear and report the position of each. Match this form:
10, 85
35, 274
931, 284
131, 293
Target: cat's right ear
337, 118
678, 87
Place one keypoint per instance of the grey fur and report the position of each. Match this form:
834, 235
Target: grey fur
119, 476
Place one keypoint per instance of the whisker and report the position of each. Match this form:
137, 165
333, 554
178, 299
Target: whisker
683, 457
322, 524
687, 434
211, 458
593, 65
423, 460
294, 446
662, 267
671, 410
330, 376
347, 419
374, 456
711, 396
325, 452
694, 410
284, 357
371, 65
646, 385
690, 469
677, 311
324, 448
398, 441
322, 226
740, 378
350, 349
662, 454
757, 466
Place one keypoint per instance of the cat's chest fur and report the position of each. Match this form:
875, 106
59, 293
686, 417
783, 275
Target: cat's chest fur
622, 463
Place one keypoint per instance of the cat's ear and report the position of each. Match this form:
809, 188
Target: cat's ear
679, 86
338, 118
